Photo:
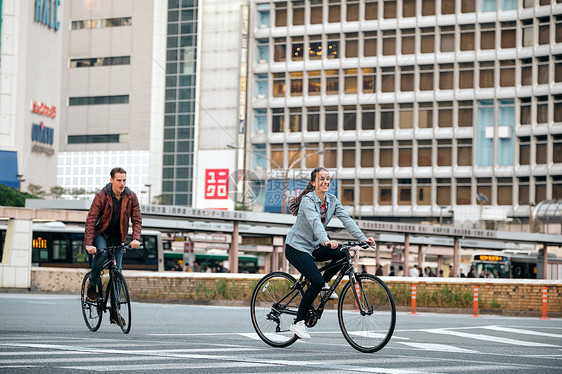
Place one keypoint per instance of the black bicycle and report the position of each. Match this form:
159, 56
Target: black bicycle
366, 310
114, 290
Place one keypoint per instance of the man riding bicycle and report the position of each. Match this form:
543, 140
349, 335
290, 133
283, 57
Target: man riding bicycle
107, 225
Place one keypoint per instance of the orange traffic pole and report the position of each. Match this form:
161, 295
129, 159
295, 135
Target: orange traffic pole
475, 315
413, 313
358, 292
544, 303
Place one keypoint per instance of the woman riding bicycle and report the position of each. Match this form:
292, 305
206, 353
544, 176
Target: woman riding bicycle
307, 240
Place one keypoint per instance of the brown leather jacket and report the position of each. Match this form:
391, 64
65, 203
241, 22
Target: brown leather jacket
99, 215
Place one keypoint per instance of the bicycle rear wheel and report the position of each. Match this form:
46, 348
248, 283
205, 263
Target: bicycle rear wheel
366, 313
92, 311
271, 301
121, 302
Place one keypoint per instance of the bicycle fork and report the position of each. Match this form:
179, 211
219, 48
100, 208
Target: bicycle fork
361, 300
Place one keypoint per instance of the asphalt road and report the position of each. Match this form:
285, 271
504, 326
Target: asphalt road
44, 333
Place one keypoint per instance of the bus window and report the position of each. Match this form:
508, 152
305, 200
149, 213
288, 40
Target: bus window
79, 254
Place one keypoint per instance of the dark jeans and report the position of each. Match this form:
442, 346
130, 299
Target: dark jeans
101, 258
304, 263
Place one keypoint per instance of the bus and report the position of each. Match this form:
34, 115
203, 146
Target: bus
246, 263
55, 244
516, 264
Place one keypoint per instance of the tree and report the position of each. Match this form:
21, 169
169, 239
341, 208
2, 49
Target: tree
36, 190
57, 191
77, 192
13, 197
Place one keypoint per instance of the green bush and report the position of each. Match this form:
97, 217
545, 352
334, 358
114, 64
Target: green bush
12, 197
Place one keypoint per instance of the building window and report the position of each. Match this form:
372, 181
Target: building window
448, 6
558, 33
509, 4
295, 155
484, 187
508, 34
408, 41
525, 110
370, 44
526, 72
349, 118
296, 83
464, 152
261, 86
427, 40
524, 190
524, 150
333, 46
446, 76
425, 150
98, 100
465, 113
488, 36
330, 155
557, 108
386, 149
371, 9
367, 154
387, 79
542, 109
443, 191
544, 30
260, 121
445, 114
101, 23
464, 191
365, 192
542, 70
313, 119
278, 120
262, 55
352, 10
404, 153
444, 152
507, 73
505, 191
404, 192
298, 12
276, 156
348, 155
556, 187
278, 84
407, 79
334, 11
428, 8
487, 74
369, 80
466, 75
385, 191
314, 82
527, 39
99, 61
558, 68
350, 81
468, 6
295, 119
447, 38
351, 45
297, 48
280, 14
426, 77
315, 47
467, 38
280, 49
489, 5
541, 149
540, 189
315, 12
389, 10
368, 117
408, 8
425, 115
263, 16
331, 118
389, 43
406, 120
423, 188
312, 155
93, 139
386, 116
332, 82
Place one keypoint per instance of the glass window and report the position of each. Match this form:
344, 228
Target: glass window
426, 77
366, 192
385, 191
464, 152
558, 33
332, 82
295, 119
260, 121
488, 36
446, 76
386, 116
406, 116
351, 45
334, 11
297, 48
279, 84
389, 9
367, 154
315, 47
263, 16
369, 80
448, 6
333, 46
404, 153
371, 9
330, 155
389, 43
262, 55
295, 155
261, 86
445, 114
280, 52
558, 68
296, 83
314, 82
428, 8
526, 72
370, 44
447, 38
468, 6
425, 150
313, 118
467, 37
556, 187
527, 33
352, 10
276, 157
348, 155
542, 109
463, 191
486, 74
387, 79
331, 118
484, 187
404, 192
312, 155
505, 191
508, 34
427, 40
524, 190
280, 14
540, 189
557, 108
423, 188
444, 152
350, 81
408, 8
525, 150
407, 78
425, 115
298, 12
557, 150
489, 5
542, 70
368, 117
278, 120
507, 73
443, 191
509, 4
408, 41
541, 149
386, 149
525, 110
544, 30
349, 118
315, 12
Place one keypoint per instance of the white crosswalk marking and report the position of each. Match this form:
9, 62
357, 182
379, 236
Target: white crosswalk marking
438, 347
489, 338
521, 331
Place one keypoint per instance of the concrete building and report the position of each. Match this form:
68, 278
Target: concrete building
30, 109
422, 110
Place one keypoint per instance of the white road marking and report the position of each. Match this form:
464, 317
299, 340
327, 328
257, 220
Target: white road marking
438, 347
488, 338
521, 331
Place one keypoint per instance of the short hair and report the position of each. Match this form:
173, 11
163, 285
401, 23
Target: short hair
117, 170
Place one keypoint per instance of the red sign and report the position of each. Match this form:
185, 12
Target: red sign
43, 109
216, 184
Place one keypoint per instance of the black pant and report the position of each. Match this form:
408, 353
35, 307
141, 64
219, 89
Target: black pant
304, 263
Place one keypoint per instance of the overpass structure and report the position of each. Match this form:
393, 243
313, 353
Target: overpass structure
442, 240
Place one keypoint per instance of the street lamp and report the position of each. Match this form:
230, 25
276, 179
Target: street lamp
20, 180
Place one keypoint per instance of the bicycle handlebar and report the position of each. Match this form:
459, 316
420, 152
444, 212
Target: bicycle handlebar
113, 248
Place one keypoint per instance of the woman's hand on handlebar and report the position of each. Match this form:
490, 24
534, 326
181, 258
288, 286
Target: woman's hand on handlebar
332, 244
134, 244
370, 241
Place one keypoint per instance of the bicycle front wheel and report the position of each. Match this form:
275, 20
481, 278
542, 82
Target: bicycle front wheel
366, 313
273, 308
92, 311
121, 302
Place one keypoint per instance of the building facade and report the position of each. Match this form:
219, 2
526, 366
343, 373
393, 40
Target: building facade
423, 110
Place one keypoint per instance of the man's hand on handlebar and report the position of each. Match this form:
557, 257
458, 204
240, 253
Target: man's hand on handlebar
91, 249
134, 244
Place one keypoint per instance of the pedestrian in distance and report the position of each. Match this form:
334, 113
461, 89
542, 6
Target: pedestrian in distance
414, 272
107, 224
471, 273
307, 241
391, 274
378, 272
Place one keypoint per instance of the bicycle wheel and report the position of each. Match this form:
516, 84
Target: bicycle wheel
121, 302
366, 313
273, 308
92, 311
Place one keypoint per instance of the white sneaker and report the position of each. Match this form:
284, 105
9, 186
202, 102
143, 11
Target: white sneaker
326, 289
300, 330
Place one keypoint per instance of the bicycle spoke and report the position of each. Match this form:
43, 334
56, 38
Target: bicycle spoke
91, 310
